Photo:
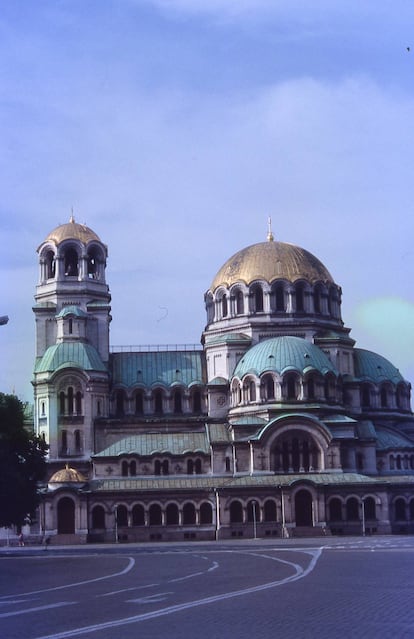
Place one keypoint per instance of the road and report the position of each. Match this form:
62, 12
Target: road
353, 588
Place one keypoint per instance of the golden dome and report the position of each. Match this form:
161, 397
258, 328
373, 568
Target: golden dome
271, 261
72, 231
67, 475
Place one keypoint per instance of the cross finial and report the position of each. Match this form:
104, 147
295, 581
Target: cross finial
270, 236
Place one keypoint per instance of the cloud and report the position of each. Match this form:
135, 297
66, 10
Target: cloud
387, 322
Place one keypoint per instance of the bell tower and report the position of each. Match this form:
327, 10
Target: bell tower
72, 314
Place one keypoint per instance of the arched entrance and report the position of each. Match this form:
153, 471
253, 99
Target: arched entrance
303, 508
66, 516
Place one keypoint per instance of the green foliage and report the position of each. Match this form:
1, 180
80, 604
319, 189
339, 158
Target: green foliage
22, 463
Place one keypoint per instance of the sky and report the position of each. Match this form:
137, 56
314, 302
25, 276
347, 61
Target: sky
174, 128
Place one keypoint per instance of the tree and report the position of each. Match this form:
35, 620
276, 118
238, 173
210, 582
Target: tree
22, 464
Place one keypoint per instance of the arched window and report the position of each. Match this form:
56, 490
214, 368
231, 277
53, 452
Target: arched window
158, 403
300, 298
253, 511
138, 515
98, 517
70, 326
155, 515
198, 466
78, 441
206, 513
311, 388
122, 515
139, 403
239, 302
78, 403
412, 509
189, 514
384, 397
236, 512
224, 306
400, 512
269, 510
71, 262
209, 308
64, 436
70, 400
50, 265
252, 391
165, 467
171, 515
124, 468
190, 466
291, 386
93, 264
257, 293
120, 403
279, 296
133, 468
352, 509
227, 464
317, 299
178, 403
335, 509
196, 401
157, 467
268, 386
370, 508
365, 396
62, 403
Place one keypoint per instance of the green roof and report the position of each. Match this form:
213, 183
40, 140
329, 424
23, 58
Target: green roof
282, 354
374, 368
162, 443
228, 338
387, 439
219, 433
208, 482
72, 310
70, 355
164, 367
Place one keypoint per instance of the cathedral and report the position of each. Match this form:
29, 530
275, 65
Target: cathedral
276, 425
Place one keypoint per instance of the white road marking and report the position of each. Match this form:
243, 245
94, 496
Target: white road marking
131, 563
16, 613
76, 632
161, 596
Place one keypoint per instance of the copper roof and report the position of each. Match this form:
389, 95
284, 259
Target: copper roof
270, 261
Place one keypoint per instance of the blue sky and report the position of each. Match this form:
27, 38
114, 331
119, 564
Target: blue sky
174, 128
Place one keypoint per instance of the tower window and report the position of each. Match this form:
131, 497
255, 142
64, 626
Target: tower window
239, 303
71, 263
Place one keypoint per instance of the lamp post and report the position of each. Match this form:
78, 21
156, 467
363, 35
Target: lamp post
363, 516
116, 523
3, 319
282, 499
254, 502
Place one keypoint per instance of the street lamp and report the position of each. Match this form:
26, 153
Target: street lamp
3, 319
116, 523
254, 502
363, 516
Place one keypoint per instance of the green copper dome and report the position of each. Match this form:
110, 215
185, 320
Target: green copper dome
282, 354
374, 368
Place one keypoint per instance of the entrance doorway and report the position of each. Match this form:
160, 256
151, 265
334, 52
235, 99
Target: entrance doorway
66, 516
303, 508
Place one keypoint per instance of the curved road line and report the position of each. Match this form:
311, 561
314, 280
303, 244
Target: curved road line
131, 563
76, 632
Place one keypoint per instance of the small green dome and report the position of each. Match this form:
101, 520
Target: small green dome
72, 310
374, 368
282, 354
